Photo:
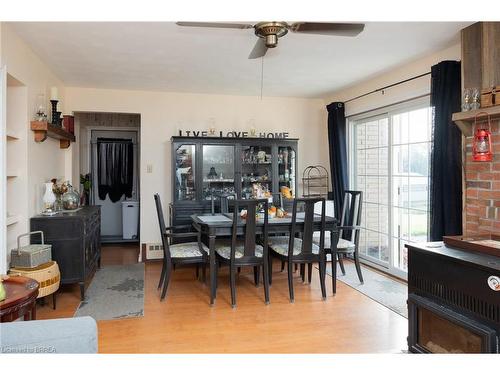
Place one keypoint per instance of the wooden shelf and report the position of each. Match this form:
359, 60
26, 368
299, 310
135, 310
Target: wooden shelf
465, 120
12, 136
12, 219
43, 130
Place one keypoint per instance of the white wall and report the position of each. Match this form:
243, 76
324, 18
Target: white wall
409, 90
163, 114
44, 160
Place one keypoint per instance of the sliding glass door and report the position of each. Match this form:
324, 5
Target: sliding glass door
390, 163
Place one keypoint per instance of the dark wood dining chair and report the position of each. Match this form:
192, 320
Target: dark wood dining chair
224, 199
185, 253
293, 250
242, 249
347, 240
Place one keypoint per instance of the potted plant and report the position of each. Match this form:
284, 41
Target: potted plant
86, 183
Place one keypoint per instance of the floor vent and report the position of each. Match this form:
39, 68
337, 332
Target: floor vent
154, 251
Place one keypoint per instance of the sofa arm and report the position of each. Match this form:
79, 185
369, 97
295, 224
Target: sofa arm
71, 335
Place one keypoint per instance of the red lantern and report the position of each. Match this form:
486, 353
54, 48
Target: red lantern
481, 144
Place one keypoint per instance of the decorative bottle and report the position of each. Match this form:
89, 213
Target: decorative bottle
49, 197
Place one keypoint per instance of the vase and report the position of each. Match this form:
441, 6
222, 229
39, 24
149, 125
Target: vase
49, 197
70, 199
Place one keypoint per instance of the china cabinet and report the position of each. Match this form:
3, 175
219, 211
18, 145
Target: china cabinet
203, 168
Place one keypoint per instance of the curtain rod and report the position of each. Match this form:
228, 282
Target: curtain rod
386, 87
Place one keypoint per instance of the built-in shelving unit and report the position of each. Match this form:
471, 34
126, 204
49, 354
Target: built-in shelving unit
16, 133
465, 120
13, 219
44, 130
12, 136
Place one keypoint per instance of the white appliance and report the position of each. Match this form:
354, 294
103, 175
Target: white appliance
130, 219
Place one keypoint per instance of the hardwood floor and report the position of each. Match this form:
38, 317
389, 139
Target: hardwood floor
185, 323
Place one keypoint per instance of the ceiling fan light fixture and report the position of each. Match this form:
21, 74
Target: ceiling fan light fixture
271, 40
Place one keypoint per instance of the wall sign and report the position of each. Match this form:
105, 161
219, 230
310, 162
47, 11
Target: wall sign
232, 134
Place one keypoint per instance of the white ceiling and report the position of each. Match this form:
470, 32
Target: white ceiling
163, 56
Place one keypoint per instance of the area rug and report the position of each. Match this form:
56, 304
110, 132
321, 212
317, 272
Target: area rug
380, 288
115, 292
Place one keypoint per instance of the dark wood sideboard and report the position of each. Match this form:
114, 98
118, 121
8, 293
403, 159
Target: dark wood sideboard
76, 242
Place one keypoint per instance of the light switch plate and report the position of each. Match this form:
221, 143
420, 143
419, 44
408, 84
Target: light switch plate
149, 168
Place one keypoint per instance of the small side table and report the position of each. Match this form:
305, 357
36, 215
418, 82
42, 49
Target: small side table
21, 299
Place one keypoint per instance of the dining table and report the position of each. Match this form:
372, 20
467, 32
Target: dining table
213, 226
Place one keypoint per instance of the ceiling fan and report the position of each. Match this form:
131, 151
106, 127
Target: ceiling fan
270, 32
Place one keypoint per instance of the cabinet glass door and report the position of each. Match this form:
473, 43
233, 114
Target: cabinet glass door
256, 170
185, 173
286, 170
218, 170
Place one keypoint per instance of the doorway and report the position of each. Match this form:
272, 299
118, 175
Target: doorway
114, 170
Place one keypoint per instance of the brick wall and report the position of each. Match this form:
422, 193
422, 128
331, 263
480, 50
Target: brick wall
482, 193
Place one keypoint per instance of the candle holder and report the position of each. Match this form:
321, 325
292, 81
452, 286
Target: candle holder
55, 114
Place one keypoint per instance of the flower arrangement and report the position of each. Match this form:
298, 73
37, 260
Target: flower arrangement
59, 188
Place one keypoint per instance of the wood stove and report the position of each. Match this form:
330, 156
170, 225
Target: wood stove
452, 306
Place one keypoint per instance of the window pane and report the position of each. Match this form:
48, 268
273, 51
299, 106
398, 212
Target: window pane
400, 196
400, 128
372, 161
419, 125
419, 159
418, 226
383, 132
372, 244
400, 162
372, 191
361, 162
372, 221
383, 161
360, 136
372, 134
418, 193
383, 215
361, 184
400, 223
384, 247
383, 187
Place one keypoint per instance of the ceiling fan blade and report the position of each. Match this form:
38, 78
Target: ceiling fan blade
323, 28
259, 49
219, 25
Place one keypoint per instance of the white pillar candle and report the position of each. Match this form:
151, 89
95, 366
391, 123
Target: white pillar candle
53, 93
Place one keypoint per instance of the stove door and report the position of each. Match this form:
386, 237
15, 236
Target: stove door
435, 328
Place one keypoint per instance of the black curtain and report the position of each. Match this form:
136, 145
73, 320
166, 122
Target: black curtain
115, 168
446, 155
338, 154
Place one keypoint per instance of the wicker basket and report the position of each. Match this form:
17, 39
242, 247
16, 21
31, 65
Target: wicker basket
46, 274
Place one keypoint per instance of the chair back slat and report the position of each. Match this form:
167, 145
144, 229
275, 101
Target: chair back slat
249, 229
224, 201
308, 229
351, 214
163, 228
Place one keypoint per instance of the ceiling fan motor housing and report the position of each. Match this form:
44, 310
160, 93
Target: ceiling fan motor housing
271, 31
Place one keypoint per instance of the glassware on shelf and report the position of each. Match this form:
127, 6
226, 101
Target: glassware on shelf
70, 199
40, 114
475, 98
49, 198
218, 170
467, 100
